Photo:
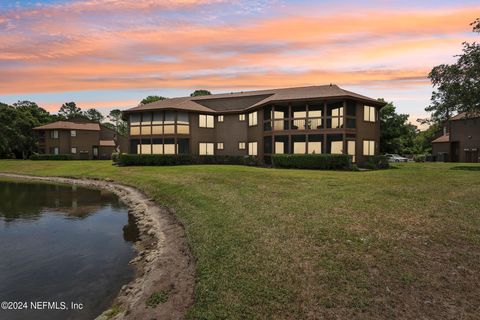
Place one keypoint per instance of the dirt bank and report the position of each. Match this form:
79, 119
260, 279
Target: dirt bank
163, 265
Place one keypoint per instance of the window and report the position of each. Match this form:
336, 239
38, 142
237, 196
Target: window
73, 133
183, 126
299, 147
157, 117
279, 147
205, 149
241, 117
169, 146
220, 146
205, 121
146, 130
252, 119
241, 145
252, 148
54, 134
351, 149
315, 147
55, 150
369, 113
220, 118
368, 147
73, 150
169, 123
336, 147
135, 118
147, 118
134, 131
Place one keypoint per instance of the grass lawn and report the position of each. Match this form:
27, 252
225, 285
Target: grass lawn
293, 244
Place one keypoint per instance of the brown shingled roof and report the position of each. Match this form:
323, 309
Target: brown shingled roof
444, 138
463, 115
70, 125
242, 101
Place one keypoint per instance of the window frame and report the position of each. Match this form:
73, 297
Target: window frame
241, 117
220, 146
255, 153
369, 118
73, 150
73, 133
220, 118
205, 124
253, 119
206, 148
369, 147
241, 143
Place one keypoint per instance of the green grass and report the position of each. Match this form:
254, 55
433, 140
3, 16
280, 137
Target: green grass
156, 298
297, 244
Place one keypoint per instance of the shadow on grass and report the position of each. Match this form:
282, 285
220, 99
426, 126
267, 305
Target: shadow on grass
466, 168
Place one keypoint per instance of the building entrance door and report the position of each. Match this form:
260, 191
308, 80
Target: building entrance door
95, 153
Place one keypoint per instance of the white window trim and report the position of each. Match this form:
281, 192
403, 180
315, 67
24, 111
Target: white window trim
253, 148
253, 119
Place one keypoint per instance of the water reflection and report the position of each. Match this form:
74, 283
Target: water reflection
63, 243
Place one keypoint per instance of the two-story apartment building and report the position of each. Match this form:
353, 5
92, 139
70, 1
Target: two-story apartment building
316, 119
460, 141
81, 138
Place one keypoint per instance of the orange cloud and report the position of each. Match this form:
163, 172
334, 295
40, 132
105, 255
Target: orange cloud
367, 47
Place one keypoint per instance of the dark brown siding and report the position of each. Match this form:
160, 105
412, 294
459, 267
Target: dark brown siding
467, 133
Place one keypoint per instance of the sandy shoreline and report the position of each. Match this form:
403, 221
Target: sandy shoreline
163, 263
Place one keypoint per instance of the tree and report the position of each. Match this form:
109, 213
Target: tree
120, 125
395, 133
94, 115
457, 86
201, 92
151, 99
70, 110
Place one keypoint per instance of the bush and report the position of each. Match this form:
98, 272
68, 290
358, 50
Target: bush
51, 157
419, 158
376, 162
182, 159
311, 161
115, 157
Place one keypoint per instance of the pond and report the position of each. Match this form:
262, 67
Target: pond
62, 244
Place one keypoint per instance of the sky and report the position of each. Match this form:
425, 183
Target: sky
108, 54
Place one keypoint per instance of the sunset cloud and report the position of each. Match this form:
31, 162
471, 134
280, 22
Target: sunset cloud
223, 44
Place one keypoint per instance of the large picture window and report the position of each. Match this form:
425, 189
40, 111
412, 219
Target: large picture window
368, 147
369, 114
205, 121
206, 148
252, 119
252, 148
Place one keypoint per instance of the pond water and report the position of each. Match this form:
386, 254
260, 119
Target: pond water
62, 244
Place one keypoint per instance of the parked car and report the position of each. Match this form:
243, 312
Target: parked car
395, 158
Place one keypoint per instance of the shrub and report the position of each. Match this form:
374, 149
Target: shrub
419, 158
181, 159
376, 162
115, 157
51, 157
311, 161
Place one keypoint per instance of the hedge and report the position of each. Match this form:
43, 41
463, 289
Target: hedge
181, 159
376, 162
311, 161
51, 157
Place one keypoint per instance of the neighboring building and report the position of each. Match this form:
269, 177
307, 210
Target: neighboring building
317, 119
82, 138
460, 141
